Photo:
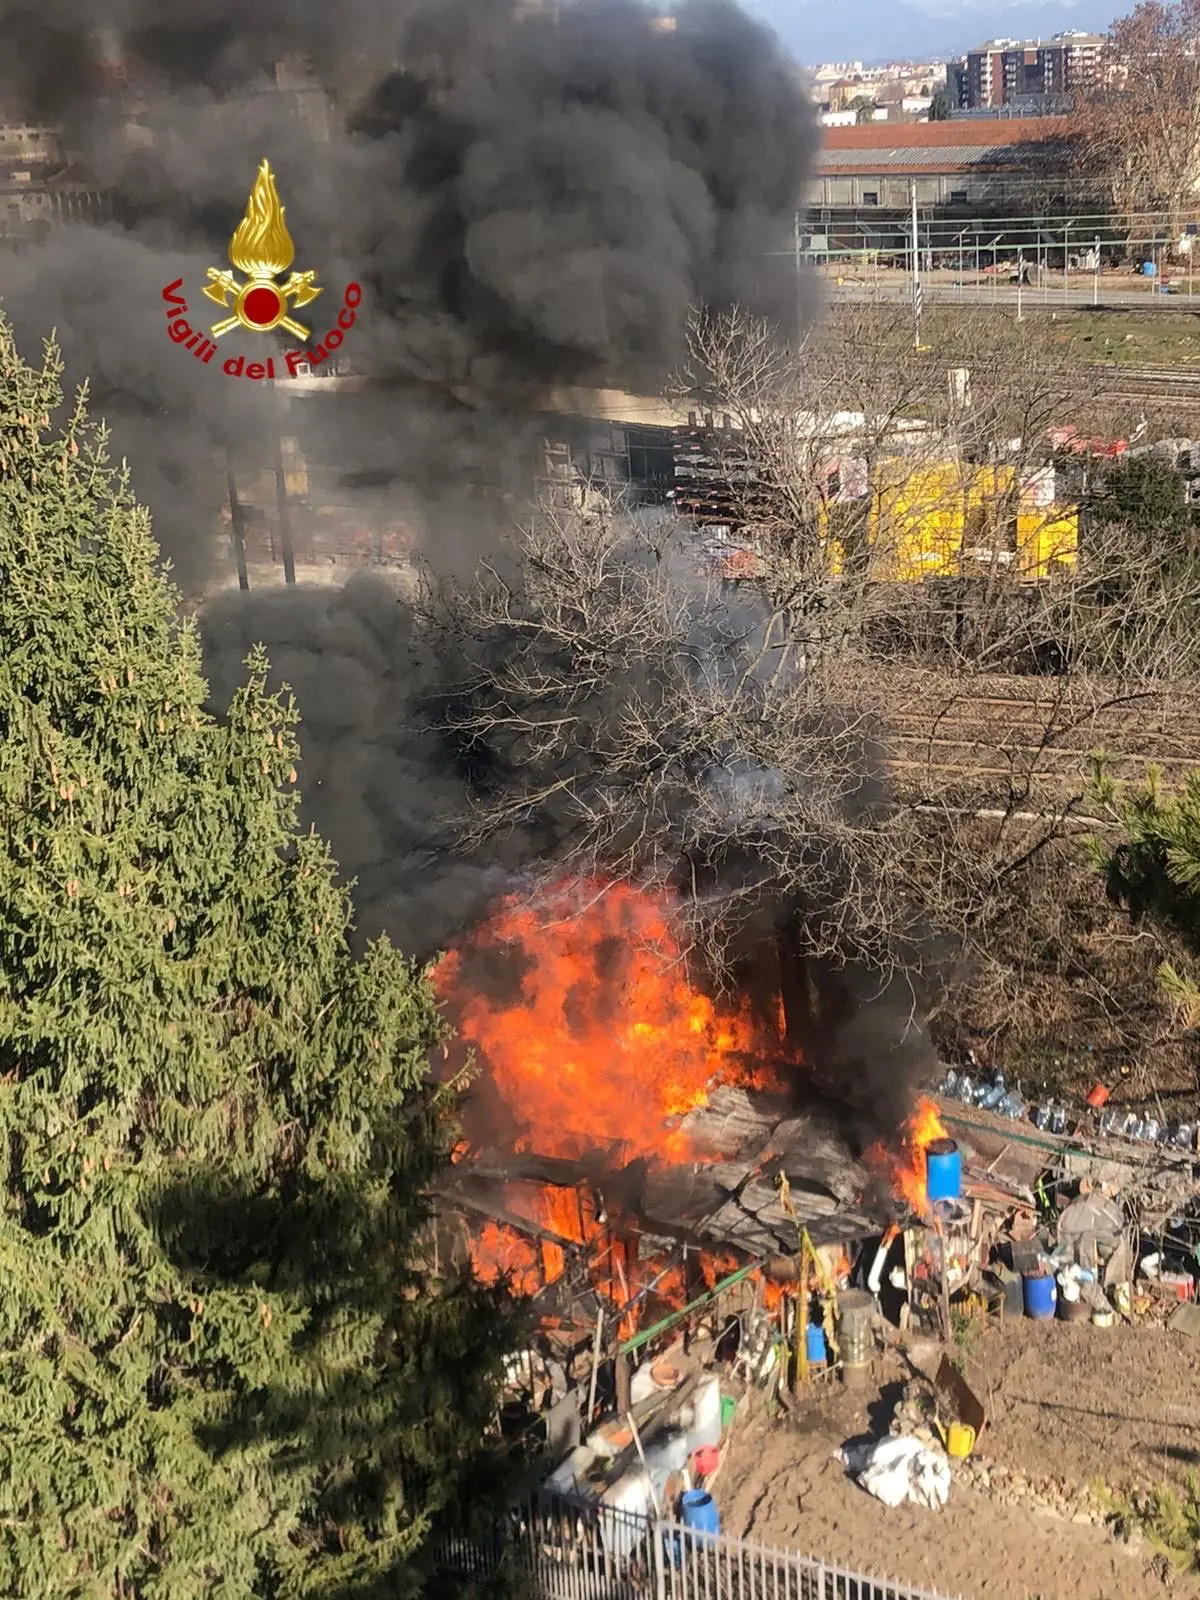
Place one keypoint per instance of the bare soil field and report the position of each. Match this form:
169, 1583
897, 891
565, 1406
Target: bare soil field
1069, 1406
1121, 1405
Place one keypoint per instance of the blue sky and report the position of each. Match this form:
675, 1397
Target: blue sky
864, 30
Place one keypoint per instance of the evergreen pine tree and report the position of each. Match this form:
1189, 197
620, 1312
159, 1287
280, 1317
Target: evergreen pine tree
1154, 869
1138, 520
222, 1370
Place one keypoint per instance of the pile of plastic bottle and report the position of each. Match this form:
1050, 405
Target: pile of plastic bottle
1148, 1130
991, 1093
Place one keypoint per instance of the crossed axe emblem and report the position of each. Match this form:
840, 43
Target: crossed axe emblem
299, 290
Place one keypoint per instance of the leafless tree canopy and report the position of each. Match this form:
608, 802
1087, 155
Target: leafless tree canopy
655, 726
1138, 132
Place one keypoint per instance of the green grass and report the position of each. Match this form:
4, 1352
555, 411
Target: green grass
965, 1331
1135, 338
1138, 338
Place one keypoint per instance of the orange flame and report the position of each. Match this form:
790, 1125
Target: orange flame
499, 1252
906, 1168
605, 1041
619, 1273
600, 1042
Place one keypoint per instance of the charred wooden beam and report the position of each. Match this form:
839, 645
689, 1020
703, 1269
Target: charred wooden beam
510, 1219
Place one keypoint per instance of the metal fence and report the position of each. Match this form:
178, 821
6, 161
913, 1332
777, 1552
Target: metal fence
559, 1550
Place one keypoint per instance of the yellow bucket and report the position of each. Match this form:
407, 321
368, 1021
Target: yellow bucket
958, 1438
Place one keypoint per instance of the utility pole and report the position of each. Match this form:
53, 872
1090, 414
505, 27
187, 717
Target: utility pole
916, 268
281, 498
238, 521
799, 294
1066, 264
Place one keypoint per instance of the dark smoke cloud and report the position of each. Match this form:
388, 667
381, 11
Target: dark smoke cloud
379, 779
525, 202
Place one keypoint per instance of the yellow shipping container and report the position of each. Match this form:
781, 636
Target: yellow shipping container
948, 519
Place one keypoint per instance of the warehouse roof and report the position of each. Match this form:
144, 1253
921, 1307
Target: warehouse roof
939, 146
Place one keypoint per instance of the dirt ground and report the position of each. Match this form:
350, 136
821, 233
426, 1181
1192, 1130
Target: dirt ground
1065, 1402
1120, 1404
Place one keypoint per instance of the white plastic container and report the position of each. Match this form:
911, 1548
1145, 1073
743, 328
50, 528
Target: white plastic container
631, 1493
706, 1413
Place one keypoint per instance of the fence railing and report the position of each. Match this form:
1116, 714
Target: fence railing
564, 1550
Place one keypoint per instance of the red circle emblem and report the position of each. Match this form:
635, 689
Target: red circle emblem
261, 306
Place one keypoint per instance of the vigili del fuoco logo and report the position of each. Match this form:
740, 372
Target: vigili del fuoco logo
262, 250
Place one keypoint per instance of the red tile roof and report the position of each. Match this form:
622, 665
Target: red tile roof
969, 131
986, 144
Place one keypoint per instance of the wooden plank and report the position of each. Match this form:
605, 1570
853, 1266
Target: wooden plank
486, 1207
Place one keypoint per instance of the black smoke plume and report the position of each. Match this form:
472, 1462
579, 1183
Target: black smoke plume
527, 199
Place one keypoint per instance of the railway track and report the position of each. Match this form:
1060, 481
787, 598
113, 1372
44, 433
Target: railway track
1006, 737
1174, 385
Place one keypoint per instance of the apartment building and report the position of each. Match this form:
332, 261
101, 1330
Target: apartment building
1006, 72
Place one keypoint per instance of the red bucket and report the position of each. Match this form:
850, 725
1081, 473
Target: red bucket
706, 1460
1098, 1096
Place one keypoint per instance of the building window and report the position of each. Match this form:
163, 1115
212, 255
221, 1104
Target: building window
870, 197
958, 197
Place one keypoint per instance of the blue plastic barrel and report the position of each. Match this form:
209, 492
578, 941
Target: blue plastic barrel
700, 1512
814, 1343
1040, 1296
1149, 269
943, 1170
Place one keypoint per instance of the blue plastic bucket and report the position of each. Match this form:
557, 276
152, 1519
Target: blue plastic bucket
814, 1343
699, 1511
943, 1170
1041, 1293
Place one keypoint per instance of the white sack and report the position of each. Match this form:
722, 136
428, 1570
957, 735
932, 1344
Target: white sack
900, 1469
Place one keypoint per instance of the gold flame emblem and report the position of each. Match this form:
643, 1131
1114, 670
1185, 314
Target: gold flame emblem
262, 248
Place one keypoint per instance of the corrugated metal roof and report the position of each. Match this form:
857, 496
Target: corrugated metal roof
932, 160
994, 154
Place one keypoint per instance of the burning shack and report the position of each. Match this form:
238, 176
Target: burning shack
643, 1160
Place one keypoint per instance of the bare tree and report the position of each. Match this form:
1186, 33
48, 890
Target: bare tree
856, 469
650, 725
849, 462
1139, 130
